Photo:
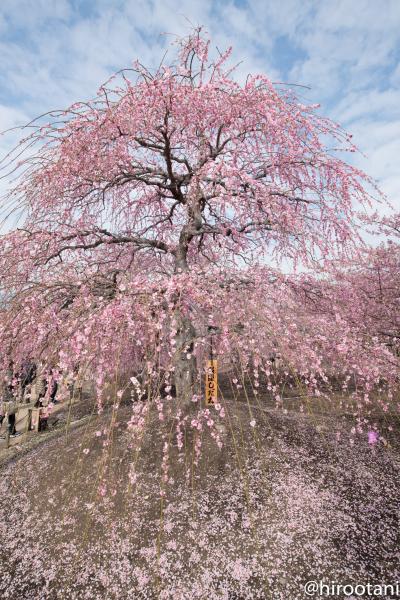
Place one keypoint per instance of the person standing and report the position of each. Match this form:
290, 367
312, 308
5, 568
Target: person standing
11, 410
28, 374
8, 400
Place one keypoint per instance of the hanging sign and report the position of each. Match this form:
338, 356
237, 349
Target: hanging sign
211, 381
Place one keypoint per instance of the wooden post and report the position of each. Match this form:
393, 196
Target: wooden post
211, 381
211, 372
35, 415
23, 415
7, 431
28, 422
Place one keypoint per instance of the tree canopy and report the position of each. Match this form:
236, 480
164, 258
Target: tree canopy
150, 215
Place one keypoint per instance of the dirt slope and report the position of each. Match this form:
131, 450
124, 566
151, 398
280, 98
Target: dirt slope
282, 503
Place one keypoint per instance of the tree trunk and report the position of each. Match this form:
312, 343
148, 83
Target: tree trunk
186, 377
186, 380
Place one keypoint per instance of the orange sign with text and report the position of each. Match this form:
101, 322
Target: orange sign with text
211, 381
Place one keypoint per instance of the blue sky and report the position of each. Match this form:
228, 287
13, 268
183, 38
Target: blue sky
54, 52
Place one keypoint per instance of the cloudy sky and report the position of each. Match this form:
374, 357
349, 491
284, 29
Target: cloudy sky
54, 52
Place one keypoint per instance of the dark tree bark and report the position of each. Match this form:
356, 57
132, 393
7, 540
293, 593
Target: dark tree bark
186, 376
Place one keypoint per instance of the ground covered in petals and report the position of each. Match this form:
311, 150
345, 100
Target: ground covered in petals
288, 498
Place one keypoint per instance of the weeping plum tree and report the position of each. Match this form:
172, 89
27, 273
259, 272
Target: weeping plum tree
150, 213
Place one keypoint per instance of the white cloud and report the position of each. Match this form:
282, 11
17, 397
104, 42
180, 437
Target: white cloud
380, 141
10, 117
31, 15
57, 51
381, 104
